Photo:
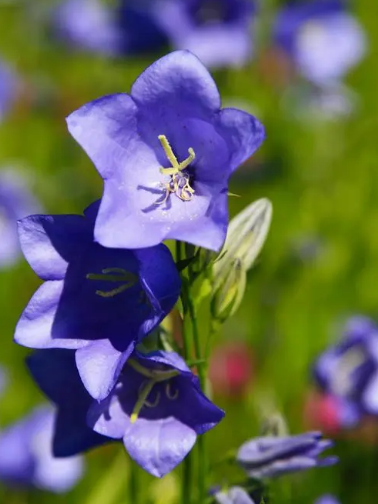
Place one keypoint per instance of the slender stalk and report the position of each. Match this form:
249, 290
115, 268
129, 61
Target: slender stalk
134, 484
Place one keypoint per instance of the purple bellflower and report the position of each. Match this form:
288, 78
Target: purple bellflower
235, 495
268, 457
327, 499
349, 371
26, 457
323, 40
218, 32
16, 202
87, 24
157, 408
165, 152
8, 89
99, 301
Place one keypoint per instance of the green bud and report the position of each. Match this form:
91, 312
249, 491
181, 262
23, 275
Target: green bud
245, 237
229, 292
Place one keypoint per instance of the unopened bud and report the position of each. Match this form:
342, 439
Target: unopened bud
246, 235
229, 291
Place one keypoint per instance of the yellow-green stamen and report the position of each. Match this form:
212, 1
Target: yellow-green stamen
144, 392
185, 192
114, 275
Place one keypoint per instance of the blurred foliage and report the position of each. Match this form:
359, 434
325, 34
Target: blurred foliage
319, 264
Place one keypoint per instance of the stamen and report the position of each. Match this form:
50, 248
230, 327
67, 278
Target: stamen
144, 392
176, 166
121, 275
158, 375
168, 392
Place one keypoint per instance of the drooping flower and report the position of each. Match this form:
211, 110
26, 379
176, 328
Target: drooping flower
87, 24
165, 152
268, 457
8, 89
235, 495
156, 408
99, 301
16, 201
321, 37
217, 31
349, 371
327, 499
26, 457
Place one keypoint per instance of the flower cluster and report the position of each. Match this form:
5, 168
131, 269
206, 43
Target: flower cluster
219, 32
165, 152
348, 371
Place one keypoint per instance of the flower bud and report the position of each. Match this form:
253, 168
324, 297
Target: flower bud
229, 292
245, 237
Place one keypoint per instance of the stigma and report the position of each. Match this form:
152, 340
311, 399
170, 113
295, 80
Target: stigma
179, 183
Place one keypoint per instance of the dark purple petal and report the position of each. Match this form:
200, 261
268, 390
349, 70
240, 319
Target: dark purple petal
160, 445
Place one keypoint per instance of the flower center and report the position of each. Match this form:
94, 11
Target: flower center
154, 376
179, 183
116, 275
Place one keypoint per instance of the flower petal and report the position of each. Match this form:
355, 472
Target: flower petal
158, 446
244, 133
34, 329
99, 365
49, 242
175, 79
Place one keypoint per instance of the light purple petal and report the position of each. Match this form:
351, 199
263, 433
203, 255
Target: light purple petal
158, 446
49, 242
35, 325
244, 133
99, 365
178, 77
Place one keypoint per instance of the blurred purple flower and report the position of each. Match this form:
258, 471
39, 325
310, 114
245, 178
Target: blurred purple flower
349, 371
8, 89
16, 202
26, 457
268, 457
157, 408
87, 24
327, 499
165, 153
321, 37
99, 301
235, 495
218, 32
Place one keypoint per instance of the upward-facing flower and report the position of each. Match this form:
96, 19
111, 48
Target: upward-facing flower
217, 31
165, 152
99, 301
268, 457
156, 408
26, 457
349, 371
321, 37
16, 201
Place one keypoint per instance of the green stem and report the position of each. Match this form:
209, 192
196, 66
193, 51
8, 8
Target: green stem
133, 484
